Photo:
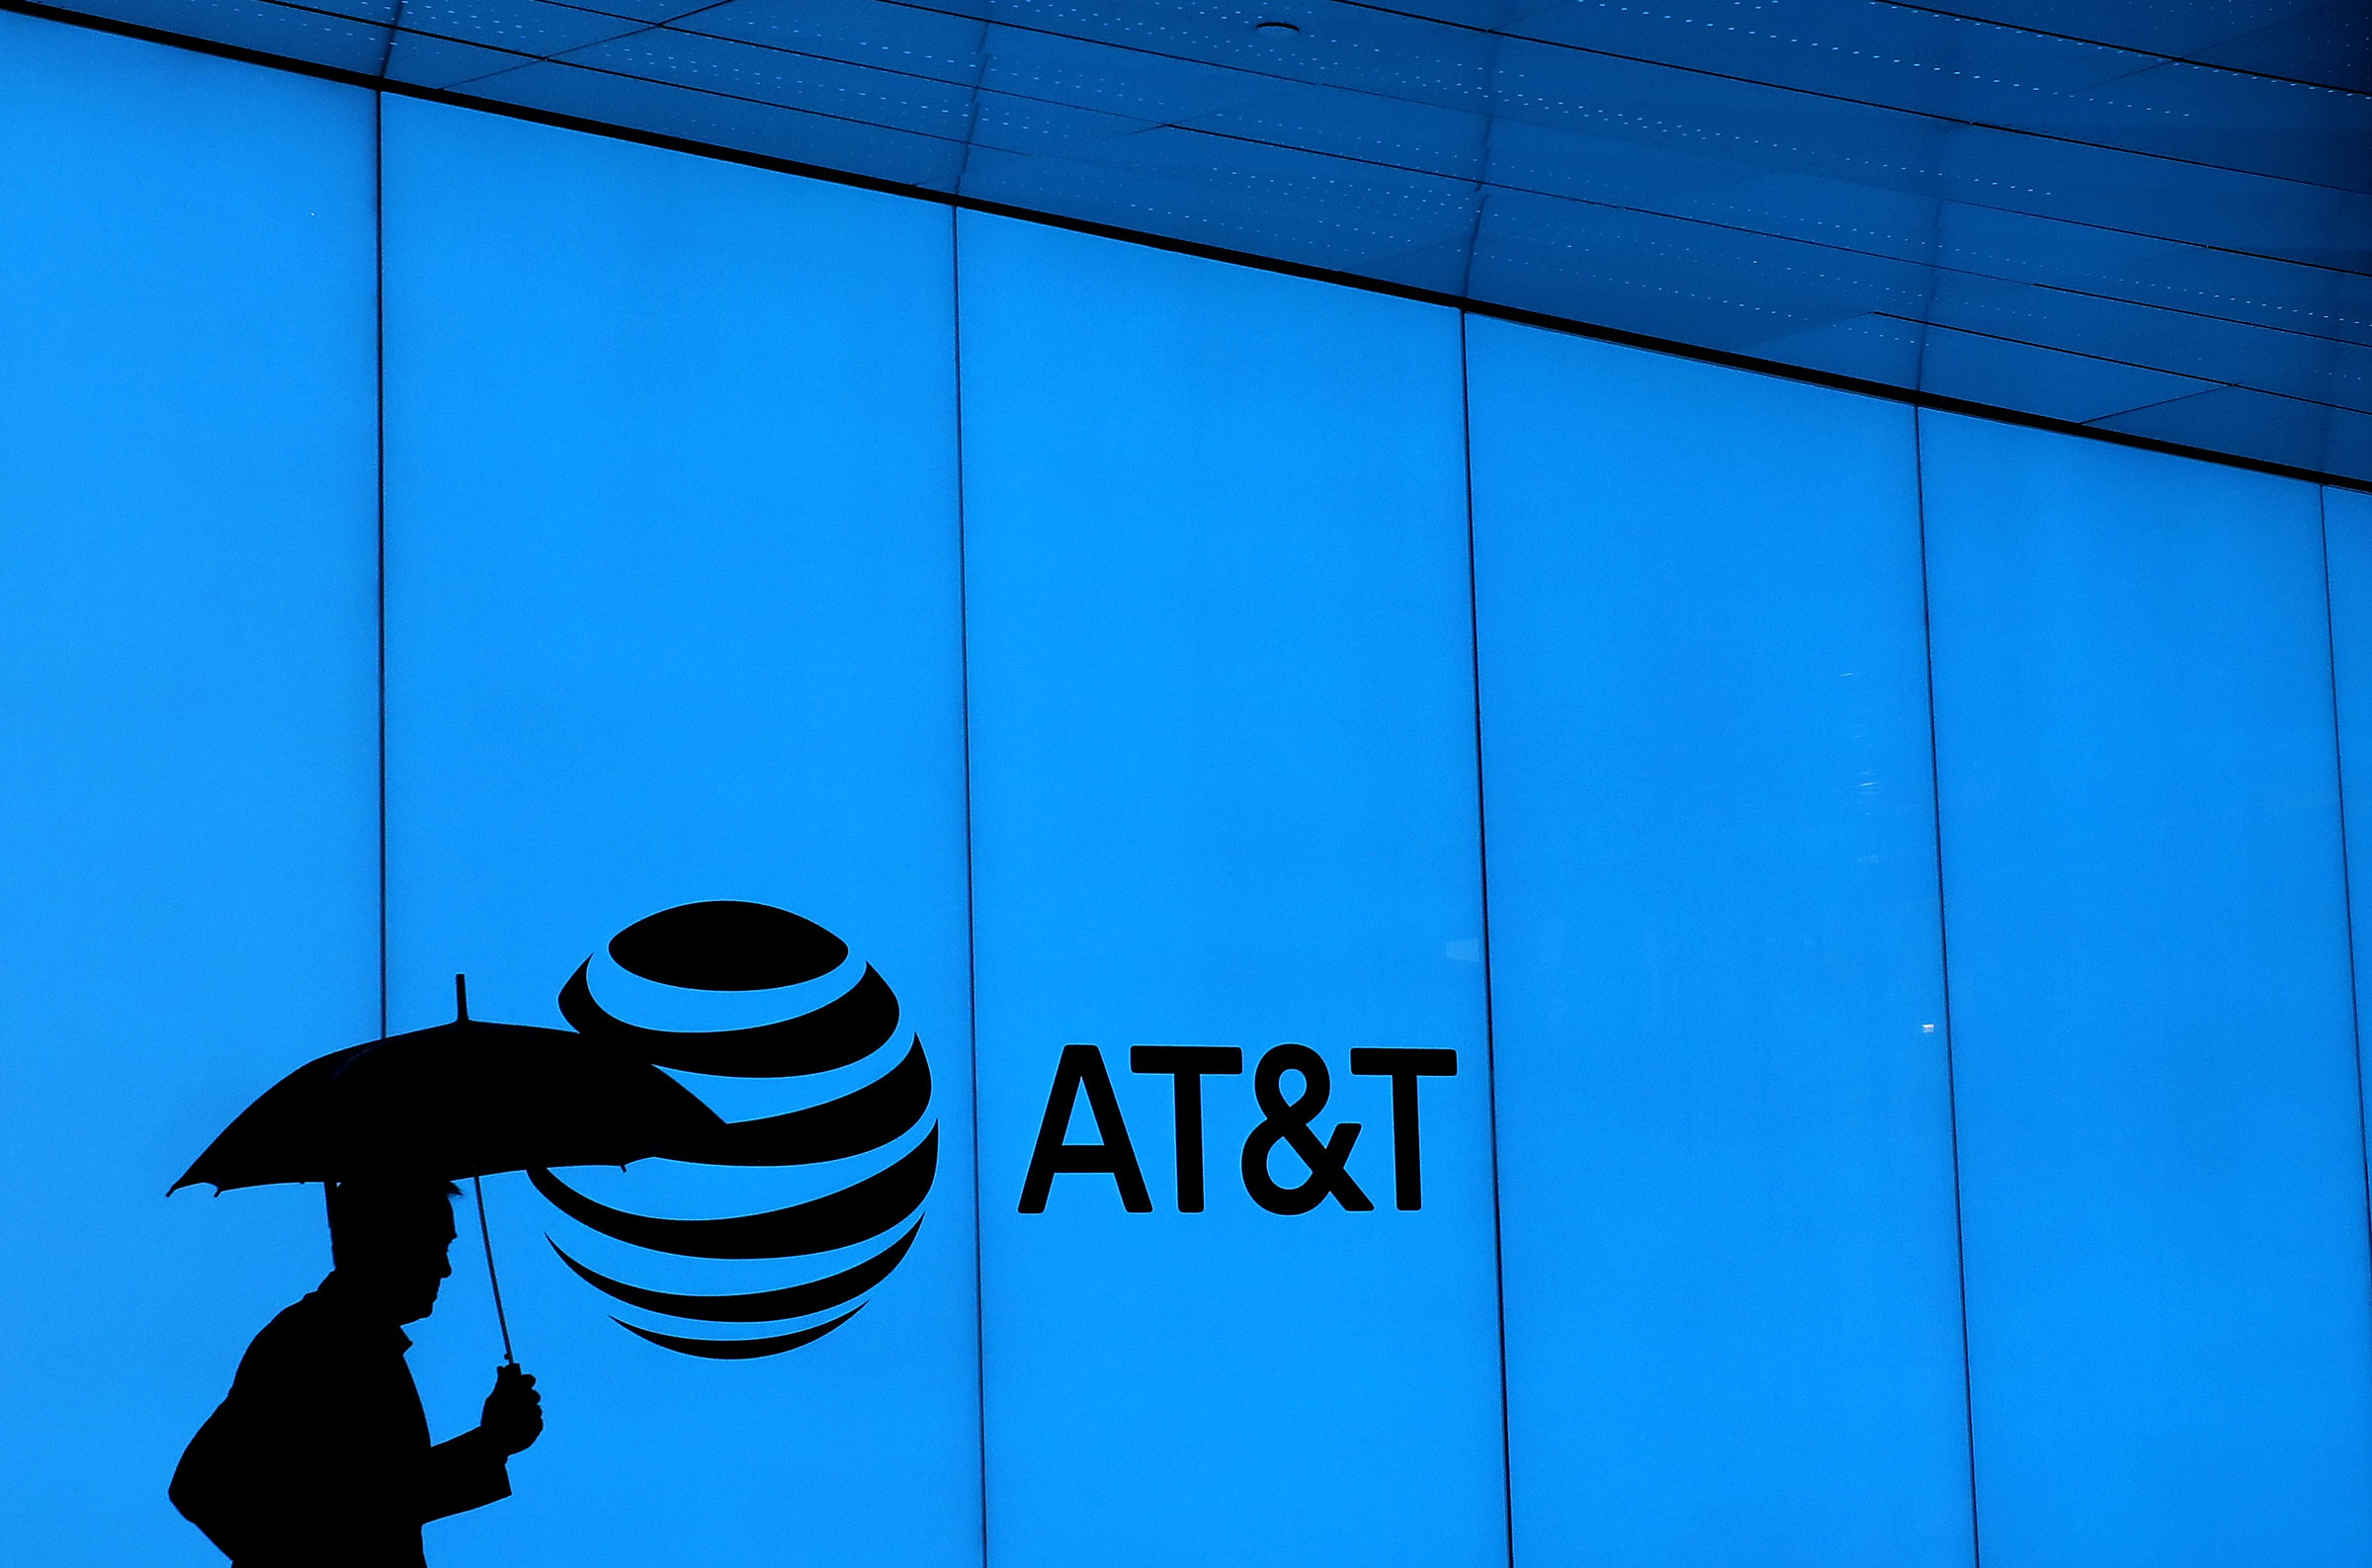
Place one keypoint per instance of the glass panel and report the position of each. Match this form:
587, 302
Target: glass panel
2161, 1151
1725, 1127
673, 610
1224, 772
188, 673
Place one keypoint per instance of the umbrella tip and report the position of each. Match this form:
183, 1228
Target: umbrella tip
461, 999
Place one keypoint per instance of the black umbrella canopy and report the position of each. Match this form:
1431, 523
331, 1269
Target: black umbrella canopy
460, 1100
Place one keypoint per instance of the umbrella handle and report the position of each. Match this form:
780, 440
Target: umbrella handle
485, 1234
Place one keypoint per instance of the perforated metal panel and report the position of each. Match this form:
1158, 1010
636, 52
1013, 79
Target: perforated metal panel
2146, 218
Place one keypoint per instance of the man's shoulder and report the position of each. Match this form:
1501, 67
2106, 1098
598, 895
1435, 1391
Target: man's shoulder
306, 1331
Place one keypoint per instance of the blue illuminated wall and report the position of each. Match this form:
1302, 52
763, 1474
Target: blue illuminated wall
1871, 889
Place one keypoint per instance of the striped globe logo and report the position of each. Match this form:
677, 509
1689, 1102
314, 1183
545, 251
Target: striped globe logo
754, 1007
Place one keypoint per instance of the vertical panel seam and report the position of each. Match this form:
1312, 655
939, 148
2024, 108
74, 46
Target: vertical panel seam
2338, 772
1943, 945
1490, 1075
972, 961
379, 365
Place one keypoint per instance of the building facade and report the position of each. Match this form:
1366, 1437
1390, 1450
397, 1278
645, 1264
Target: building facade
1869, 887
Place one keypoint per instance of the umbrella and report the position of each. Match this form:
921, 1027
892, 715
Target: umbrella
464, 1099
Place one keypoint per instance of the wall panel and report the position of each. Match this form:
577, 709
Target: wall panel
1732, 1299
2347, 541
1224, 797
188, 768
2162, 1171
673, 616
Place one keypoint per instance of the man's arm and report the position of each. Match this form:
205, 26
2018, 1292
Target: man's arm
463, 1473
472, 1470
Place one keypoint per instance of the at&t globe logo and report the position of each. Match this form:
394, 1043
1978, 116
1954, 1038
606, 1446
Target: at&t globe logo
759, 1001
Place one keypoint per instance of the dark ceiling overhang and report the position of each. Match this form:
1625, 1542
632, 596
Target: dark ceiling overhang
2148, 220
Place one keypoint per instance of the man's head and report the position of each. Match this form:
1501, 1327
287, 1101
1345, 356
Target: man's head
388, 1240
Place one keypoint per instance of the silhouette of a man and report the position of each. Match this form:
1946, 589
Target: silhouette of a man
320, 1457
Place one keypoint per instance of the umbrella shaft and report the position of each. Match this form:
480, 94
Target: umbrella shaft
485, 1234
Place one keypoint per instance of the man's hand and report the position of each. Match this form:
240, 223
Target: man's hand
513, 1416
